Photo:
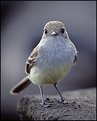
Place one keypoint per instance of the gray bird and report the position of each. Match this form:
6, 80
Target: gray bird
50, 60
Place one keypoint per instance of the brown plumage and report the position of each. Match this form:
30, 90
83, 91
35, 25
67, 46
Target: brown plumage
20, 86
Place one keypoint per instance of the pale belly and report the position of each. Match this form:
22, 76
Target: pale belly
47, 76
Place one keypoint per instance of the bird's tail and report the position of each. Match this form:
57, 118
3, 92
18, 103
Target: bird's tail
20, 86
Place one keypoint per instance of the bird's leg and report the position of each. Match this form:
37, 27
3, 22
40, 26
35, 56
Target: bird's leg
41, 93
55, 85
62, 100
43, 103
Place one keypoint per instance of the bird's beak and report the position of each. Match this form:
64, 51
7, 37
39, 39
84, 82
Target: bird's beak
54, 33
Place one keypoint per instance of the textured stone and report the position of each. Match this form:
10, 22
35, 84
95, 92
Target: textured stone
81, 106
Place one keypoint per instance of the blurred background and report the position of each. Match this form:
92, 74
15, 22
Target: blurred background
21, 29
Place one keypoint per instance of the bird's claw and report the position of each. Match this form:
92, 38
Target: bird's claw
45, 104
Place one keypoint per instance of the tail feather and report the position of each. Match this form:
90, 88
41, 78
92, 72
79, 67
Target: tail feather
20, 86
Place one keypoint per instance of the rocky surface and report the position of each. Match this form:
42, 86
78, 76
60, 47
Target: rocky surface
81, 106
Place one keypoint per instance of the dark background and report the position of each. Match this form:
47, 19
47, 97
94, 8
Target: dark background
21, 29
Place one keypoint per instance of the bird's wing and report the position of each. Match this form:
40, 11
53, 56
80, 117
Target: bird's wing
75, 52
31, 59
75, 59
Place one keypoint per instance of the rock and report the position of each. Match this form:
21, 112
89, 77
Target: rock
81, 106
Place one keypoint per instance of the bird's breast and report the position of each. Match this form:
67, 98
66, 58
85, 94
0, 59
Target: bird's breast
53, 63
55, 56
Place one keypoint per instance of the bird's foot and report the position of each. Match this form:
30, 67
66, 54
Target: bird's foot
64, 102
46, 104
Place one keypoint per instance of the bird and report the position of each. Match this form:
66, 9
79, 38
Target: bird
50, 61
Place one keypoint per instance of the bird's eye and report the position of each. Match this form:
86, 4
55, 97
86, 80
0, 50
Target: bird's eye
62, 30
45, 31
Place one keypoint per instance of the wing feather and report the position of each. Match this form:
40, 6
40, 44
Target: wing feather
31, 60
